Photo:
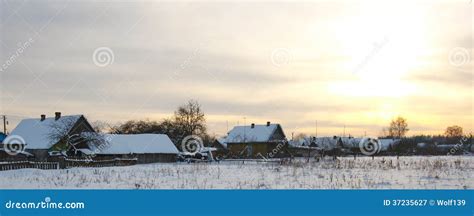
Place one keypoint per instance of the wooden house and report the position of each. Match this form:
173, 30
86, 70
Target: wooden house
221, 147
256, 141
44, 136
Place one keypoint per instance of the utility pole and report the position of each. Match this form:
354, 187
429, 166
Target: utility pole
248, 147
316, 129
245, 124
5, 124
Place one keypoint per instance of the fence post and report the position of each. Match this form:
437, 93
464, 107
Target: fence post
61, 163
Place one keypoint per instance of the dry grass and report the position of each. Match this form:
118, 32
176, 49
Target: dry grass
345, 173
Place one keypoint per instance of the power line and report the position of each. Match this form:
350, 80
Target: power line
10, 116
16, 115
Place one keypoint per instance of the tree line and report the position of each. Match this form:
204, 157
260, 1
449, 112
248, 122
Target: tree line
399, 127
188, 119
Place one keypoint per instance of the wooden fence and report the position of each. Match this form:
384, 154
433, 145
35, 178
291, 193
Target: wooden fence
99, 163
65, 164
11, 165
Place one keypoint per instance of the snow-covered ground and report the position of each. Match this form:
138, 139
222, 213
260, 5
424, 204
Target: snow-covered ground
455, 172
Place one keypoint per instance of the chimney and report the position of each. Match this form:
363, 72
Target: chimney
43, 117
252, 125
57, 115
268, 123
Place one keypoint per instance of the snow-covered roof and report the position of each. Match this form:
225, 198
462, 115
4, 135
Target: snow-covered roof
86, 151
351, 142
137, 143
207, 149
385, 143
22, 152
328, 142
259, 133
347, 142
304, 141
36, 132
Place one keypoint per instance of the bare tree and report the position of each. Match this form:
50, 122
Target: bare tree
69, 133
60, 130
384, 133
300, 136
453, 131
398, 127
189, 119
137, 127
100, 126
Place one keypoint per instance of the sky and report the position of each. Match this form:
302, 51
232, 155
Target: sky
346, 66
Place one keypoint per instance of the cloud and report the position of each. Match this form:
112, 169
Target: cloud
220, 54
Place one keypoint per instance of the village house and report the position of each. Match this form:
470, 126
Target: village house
2, 137
3, 154
339, 145
256, 141
221, 147
45, 136
146, 148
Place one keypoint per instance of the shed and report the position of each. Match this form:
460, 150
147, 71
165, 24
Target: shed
147, 148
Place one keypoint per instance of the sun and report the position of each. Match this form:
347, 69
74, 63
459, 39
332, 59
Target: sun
380, 52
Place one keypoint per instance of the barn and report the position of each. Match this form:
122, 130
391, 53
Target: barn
44, 136
146, 148
256, 141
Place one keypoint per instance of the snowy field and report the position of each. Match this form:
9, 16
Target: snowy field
440, 172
